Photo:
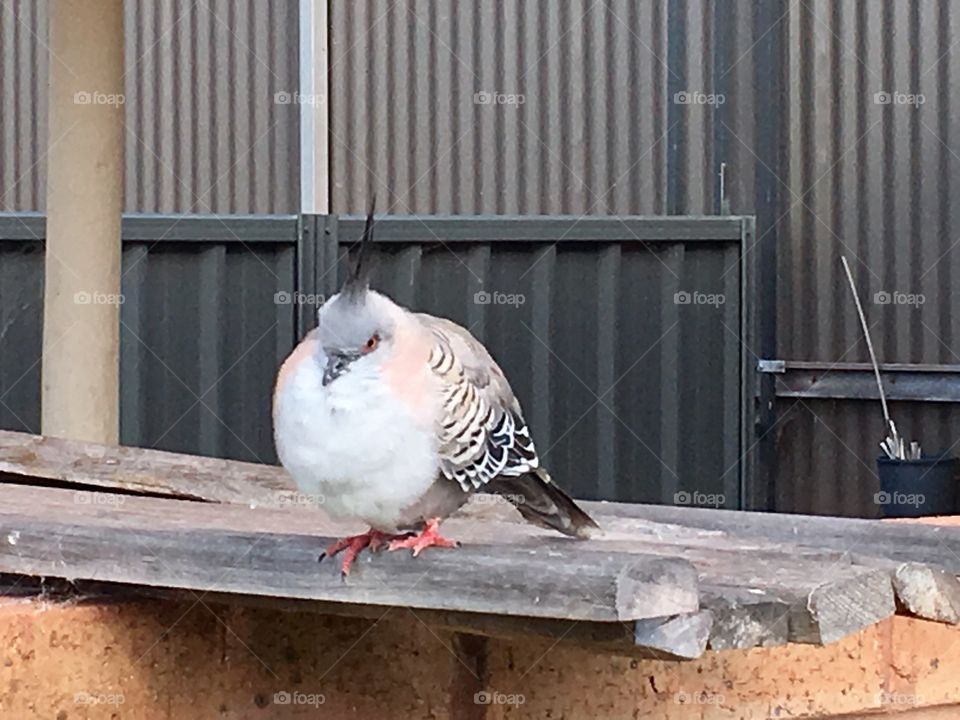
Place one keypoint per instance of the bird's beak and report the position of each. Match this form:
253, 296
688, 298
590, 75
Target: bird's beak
336, 366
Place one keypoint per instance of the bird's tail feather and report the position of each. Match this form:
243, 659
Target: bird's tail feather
542, 503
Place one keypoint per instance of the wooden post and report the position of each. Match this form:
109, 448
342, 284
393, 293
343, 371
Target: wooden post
81, 321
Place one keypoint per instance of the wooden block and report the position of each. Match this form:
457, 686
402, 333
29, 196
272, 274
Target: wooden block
683, 637
928, 593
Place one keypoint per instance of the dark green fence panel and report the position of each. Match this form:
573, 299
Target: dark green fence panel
626, 339
206, 318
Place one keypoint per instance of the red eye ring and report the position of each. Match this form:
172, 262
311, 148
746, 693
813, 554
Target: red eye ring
372, 343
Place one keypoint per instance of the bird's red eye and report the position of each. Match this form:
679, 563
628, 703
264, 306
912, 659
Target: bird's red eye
371, 344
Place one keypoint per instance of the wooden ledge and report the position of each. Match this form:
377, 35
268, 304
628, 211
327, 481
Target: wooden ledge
673, 581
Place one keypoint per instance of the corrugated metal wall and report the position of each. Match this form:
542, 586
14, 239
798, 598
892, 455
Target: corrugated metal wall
202, 330
806, 147
586, 323
530, 107
587, 133
577, 107
23, 97
205, 132
875, 181
422, 115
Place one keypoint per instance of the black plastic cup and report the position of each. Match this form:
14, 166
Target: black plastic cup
917, 488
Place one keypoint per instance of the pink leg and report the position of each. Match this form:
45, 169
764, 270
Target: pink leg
428, 537
353, 545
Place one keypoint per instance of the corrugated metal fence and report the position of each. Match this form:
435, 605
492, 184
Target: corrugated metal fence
527, 107
591, 318
205, 320
210, 126
872, 171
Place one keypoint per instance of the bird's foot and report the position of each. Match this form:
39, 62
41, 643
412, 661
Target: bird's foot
428, 537
353, 545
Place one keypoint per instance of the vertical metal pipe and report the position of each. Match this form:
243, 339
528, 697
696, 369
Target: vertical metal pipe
81, 324
314, 108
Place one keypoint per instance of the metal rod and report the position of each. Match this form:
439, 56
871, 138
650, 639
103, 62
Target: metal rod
866, 335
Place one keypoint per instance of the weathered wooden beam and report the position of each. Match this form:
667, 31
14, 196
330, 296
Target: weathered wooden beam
928, 593
900, 541
26, 457
205, 547
683, 637
765, 579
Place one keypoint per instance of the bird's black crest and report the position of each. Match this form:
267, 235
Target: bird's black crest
358, 281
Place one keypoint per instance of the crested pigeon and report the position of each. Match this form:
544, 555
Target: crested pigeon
395, 418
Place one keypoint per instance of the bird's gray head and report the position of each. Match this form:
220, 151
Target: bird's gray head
356, 326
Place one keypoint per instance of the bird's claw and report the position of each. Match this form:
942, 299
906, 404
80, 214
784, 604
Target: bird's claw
428, 537
353, 545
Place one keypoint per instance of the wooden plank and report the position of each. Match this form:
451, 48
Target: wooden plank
24, 456
43, 531
808, 579
800, 594
901, 541
928, 593
683, 637
746, 619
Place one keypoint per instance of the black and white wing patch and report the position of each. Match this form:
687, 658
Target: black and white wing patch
482, 433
